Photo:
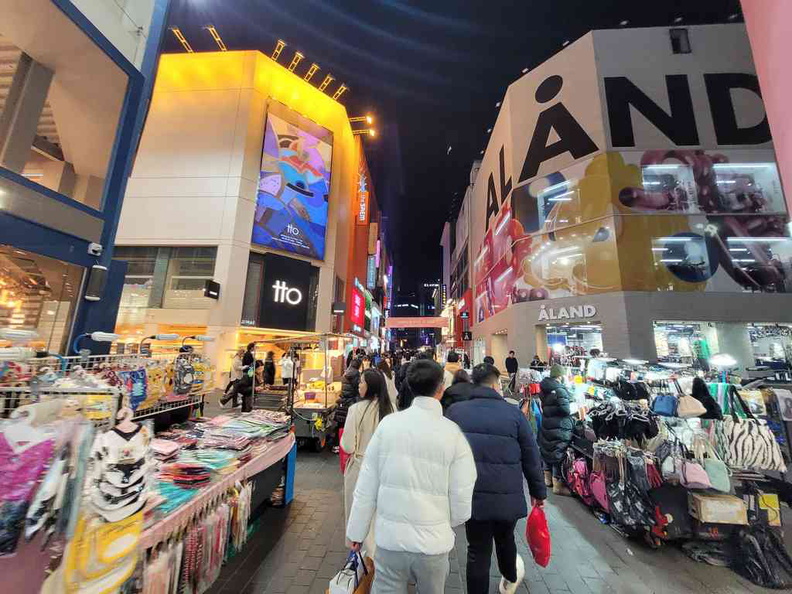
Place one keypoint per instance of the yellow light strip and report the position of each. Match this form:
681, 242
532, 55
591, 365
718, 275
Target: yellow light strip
295, 60
177, 32
341, 90
278, 49
327, 80
216, 36
311, 71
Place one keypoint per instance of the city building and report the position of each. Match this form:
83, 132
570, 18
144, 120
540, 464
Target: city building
74, 84
632, 209
250, 213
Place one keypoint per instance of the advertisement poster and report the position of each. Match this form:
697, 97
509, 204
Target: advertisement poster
681, 220
293, 190
357, 313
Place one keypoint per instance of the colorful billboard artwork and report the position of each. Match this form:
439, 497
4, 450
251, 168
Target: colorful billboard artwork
293, 190
613, 251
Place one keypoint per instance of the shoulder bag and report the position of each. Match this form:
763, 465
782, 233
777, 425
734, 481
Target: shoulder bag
717, 472
665, 404
747, 443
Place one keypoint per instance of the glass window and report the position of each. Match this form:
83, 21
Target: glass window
62, 83
38, 293
188, 270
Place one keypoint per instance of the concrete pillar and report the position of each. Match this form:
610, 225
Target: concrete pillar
734, 340
540, 339
23, 106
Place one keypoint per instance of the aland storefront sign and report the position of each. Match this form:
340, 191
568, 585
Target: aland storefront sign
573, 312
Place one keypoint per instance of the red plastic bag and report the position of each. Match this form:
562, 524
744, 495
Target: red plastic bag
538, 536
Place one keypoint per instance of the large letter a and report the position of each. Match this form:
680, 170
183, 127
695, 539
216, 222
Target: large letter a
572, 138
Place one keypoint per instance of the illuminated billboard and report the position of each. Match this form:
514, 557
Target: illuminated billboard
293, 190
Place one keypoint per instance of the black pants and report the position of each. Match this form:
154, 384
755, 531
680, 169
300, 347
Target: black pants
480, 535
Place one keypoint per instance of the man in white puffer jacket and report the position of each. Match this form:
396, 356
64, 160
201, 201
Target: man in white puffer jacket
417, 478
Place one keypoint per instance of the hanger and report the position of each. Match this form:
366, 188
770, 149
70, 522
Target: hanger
21, 434
124, 417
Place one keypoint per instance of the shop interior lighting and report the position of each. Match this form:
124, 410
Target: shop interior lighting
327, 80
498, 104
216, 36
756, 239
624, 23
566, 43
664, 167
525, 70
341, 90
178, 34
723, 360
742, 166
635, 362
489, 130
295, 61
311, 71
554, 187
278, 49
561, 197
198, 337
675, 239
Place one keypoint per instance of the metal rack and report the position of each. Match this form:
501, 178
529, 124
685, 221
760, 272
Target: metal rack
24, 387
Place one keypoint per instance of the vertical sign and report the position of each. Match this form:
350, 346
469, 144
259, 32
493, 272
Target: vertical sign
371, 273
358, 308
373, 236
362, 196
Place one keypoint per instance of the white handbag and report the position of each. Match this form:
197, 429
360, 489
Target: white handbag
346, 581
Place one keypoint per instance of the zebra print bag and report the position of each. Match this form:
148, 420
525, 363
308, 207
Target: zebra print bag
747, 443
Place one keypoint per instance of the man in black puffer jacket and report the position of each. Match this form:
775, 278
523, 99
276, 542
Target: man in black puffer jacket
505, 451
557, 427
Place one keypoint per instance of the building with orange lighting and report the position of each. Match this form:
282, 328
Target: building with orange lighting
242, 216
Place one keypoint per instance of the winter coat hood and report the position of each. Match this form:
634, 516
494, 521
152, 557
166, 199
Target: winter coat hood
557, 422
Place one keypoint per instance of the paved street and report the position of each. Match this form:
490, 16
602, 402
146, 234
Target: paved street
297, 550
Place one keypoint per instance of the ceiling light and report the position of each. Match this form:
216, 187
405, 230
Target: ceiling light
489, 130
678, 20
734, 16
178, 34
481, 153
311, 71
278, 49
498, 104
624, 23
566, 43
524, 70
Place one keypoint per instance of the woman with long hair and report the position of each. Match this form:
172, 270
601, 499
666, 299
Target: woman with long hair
361, 422
269, 369
390, 382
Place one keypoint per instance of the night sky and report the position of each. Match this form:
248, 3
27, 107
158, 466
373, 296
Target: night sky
431, 72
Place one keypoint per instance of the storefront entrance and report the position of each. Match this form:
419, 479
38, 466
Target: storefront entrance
568, 342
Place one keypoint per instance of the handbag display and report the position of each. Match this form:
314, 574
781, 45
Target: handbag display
688, 407
693, 476
747, 443
665, 405
599, 490
717, 472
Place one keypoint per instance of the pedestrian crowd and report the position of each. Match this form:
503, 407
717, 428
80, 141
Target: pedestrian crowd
434, 447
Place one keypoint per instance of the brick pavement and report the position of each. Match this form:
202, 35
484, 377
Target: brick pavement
297, 550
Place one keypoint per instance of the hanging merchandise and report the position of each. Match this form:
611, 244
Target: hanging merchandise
665, 403
747, 443
717, 472
689, 407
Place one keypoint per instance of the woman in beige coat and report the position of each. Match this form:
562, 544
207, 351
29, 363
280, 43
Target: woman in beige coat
361, 422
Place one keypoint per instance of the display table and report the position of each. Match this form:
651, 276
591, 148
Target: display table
276, 451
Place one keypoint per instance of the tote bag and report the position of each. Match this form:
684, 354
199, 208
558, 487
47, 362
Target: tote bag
747, 443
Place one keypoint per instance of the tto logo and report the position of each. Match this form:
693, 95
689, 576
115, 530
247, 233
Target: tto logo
292, 230
284, 294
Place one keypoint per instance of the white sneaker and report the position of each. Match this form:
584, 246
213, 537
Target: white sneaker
507, 587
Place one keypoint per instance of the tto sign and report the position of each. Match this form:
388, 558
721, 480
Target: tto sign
284, 294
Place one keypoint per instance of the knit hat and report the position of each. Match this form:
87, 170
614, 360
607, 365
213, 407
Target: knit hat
557, 371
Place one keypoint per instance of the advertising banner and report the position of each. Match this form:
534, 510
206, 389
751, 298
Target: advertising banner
363, 192
357, 312
371, 273
293, 190
424, 322
285, 296
692, 203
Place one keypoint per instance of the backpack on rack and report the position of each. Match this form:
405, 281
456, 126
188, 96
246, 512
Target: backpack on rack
184, 376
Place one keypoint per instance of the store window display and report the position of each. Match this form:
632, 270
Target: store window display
38, 293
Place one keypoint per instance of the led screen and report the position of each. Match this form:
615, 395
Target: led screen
293, 189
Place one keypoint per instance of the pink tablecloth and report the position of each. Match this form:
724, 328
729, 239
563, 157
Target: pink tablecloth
183, 515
